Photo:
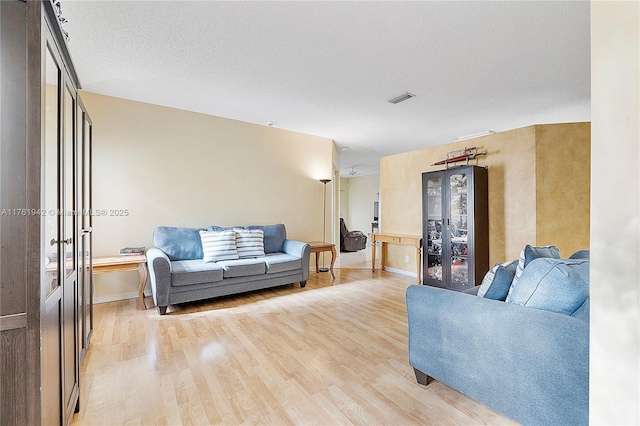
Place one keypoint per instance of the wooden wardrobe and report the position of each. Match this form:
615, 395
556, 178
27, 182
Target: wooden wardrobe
46, 286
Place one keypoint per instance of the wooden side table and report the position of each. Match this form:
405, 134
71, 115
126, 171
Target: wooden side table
318, 247
103, 265
384, 239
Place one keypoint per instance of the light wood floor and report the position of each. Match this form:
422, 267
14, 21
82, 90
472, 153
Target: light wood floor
360, 259
333, 353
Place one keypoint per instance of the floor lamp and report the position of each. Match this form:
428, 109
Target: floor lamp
324, 221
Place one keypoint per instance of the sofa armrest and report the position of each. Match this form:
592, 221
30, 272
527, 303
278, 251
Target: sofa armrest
159, 267
529, 364
301, 250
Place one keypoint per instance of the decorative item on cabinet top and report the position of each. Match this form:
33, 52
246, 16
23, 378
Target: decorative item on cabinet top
466, 154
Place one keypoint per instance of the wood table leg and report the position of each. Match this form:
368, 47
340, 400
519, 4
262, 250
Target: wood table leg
383, 255
373, 256
317, 262
333, 260
142, 272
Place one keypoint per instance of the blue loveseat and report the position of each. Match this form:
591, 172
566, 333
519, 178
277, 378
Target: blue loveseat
181, 271
524, 353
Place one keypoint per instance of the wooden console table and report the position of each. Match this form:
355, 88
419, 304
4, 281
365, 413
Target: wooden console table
138, 263
384, 239
317, 247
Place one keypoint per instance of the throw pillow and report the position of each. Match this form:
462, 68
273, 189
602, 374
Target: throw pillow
580, 254
250, 243
218, 245
556, 285
530, 253
178, 243
223, 228
274, 236
582, 313
497, 281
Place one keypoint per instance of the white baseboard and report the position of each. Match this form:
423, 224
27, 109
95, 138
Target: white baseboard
400, 271
116, 297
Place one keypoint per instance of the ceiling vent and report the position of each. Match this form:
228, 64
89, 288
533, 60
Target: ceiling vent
401, 98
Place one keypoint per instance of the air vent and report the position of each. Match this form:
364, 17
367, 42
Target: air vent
401, 98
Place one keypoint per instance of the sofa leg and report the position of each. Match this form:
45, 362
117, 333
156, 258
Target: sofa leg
422, 378
162, 310
302, 284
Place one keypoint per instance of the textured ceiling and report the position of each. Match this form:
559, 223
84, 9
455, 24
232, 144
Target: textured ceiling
328, 68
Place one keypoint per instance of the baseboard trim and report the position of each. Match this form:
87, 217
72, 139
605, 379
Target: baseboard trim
117, 297
400, 271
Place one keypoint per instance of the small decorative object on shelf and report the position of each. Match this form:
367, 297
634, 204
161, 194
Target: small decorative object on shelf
466, 155
132, 251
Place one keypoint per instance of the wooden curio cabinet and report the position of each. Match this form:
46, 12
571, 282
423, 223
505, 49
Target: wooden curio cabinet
46, 288
455, 227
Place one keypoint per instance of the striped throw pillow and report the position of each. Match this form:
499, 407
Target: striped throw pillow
250, 243
218, 245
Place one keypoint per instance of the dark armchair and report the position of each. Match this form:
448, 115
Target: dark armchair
351, 240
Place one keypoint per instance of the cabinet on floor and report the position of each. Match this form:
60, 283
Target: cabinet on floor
455, 227
45, 229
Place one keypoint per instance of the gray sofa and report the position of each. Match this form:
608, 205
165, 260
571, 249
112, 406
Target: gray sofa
525, 353
178, 273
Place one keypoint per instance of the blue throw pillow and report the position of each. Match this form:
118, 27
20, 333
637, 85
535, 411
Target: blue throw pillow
556, 285
217, 228
582, 313
530, 253
580, 254
497, 281
274, 236
178, 243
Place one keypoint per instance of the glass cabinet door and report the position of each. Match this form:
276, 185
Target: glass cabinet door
433, 228
52, 253
85, 278
458, 231
50, 204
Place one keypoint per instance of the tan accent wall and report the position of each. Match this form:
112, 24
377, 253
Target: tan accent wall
525, 165
165, 166
563, 175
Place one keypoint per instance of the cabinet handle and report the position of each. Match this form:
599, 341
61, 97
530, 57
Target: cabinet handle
53, 241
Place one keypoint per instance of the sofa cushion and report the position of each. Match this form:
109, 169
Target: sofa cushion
242, 267
497, 281
224, 228
530, 253
580, 254
250, 243
556, 285
281, 262
189, 272
218, 245
178, 243
274, 236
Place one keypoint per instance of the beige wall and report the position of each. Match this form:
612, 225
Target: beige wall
172, 167
614, 373
515, 189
